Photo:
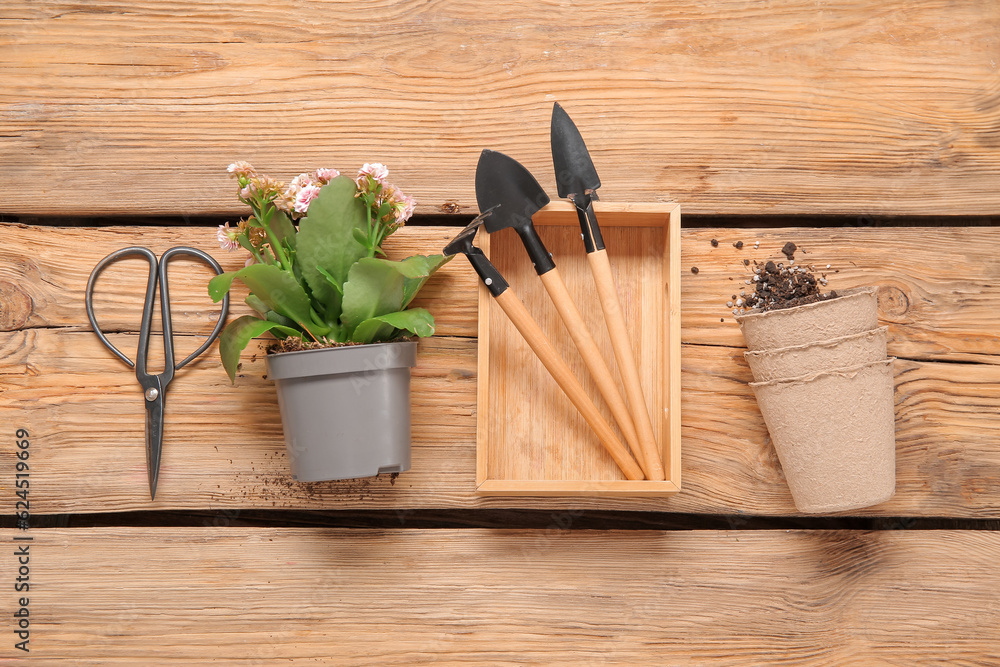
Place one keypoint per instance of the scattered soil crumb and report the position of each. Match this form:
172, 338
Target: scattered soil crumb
780, 285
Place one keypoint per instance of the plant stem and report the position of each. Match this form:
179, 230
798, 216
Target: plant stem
371, 227
276, 248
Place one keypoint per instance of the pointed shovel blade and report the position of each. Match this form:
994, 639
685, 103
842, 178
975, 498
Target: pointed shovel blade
502, 181
575, 172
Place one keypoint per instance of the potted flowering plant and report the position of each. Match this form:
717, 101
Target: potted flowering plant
339, 309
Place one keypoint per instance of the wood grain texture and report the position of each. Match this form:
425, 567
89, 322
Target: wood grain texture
940, 286
564, 377
211, 595
223, 444
614, 318
528, 434
603, 378
44, 271
850, 107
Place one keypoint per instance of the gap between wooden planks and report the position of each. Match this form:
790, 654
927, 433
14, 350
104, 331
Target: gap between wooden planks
853, 108
369, 597
223, 445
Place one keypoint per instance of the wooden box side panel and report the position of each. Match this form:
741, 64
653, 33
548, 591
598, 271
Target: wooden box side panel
528, 431
671, 444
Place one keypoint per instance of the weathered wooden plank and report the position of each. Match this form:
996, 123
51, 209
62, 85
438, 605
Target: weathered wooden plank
259, 596
44, 272
846, 108
940, 286
223, 445
940, 297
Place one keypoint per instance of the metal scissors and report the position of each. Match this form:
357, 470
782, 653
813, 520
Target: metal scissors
154, 386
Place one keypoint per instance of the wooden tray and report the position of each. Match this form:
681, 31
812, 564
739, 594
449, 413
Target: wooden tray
530, 439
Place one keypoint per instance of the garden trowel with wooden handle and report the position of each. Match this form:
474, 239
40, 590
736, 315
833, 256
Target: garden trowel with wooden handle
577, 179
504, 185
540, 345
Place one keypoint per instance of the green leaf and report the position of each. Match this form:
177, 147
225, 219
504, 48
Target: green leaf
331, 280
281, 293
283, 229
272, 316
219, 285
238, 335
326, 241
245, 242
416, 270
415, 320
257, 305
372, 330
374, 287
424, 267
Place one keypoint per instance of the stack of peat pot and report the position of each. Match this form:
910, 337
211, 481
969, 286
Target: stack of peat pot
824, 385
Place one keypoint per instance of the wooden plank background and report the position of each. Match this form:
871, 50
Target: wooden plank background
787, 106
223, 444
127, 596
128, 113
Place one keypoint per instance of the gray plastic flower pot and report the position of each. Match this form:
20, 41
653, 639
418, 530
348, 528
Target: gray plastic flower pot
853, 311
787, 362
835, 435
345, 410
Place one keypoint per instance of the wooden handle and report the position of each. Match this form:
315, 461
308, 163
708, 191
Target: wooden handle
608, 294
592, 357
564, 377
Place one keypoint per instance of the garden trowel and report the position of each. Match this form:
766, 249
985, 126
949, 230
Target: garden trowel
539, 344
506, 187
577, 179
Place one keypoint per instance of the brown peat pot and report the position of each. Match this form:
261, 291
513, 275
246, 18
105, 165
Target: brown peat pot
852, 311
835, 435
787, 362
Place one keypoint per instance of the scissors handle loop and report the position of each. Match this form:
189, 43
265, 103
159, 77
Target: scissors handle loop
165, 301
157, 273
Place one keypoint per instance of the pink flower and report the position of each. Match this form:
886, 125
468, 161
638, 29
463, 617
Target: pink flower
376, 170
404, 207
305, 195
242, 168
324, 176
227, 238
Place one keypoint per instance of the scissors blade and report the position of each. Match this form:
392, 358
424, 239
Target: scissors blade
154, 435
